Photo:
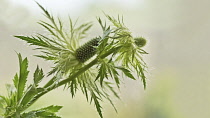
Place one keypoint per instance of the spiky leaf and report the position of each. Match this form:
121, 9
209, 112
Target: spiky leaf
22, 76
38, 76
47, 112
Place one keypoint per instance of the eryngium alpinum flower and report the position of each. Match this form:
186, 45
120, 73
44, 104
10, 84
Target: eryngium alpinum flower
88, 50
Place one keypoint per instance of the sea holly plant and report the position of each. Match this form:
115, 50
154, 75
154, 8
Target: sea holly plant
96, 68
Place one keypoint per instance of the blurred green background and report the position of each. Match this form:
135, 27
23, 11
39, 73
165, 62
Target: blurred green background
178, 34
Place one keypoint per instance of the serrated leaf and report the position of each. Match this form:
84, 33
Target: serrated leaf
73, 87
52, 108
51, 82
44, 24
108, 84
115, 75
28, 96
126, 72
15, 80
46, 57
97, 104
23, 74
102, 26
52, 41
38, 76
108, 98
45, 11
47, 112
85, 90
33, 41
102, 73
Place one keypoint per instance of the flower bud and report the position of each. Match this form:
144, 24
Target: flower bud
87, 50
140, 41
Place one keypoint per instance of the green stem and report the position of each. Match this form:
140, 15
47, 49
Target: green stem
70, 78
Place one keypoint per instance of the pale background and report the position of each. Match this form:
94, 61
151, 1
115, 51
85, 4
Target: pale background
178, 34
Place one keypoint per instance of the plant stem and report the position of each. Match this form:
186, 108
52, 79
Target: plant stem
70, 78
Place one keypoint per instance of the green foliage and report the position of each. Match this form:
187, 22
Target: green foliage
96, 68
20, 96
60, 45
128, 51
47, 112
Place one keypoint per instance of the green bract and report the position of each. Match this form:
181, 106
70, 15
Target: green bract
92, 68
